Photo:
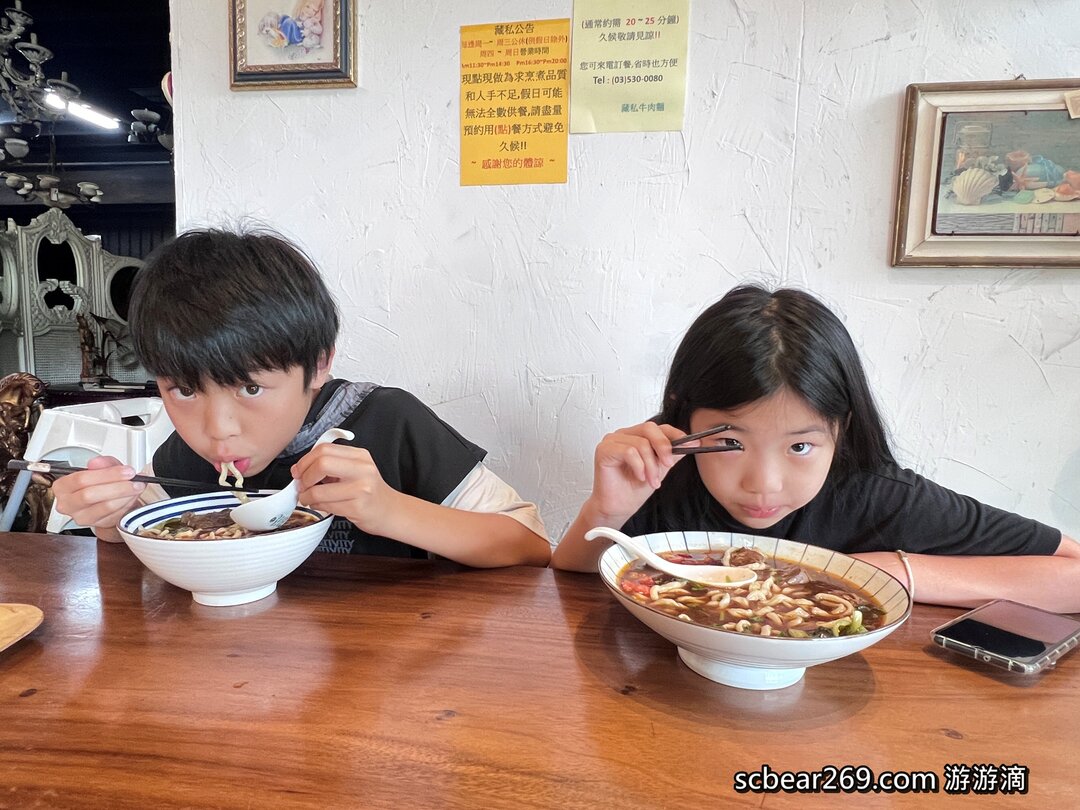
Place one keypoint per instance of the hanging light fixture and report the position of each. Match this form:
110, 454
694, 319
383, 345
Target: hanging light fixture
51, 189
146, 128
38, 102
27, 91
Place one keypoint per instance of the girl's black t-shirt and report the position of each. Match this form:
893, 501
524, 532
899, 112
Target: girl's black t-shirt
891, 508
415, 451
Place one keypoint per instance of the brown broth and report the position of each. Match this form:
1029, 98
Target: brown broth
184, 528
786, 601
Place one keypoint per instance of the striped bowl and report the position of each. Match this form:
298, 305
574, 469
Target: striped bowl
219, 572
751, 661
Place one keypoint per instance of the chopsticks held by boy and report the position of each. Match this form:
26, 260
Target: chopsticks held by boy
239, 330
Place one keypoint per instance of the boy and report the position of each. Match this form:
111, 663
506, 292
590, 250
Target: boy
239, 330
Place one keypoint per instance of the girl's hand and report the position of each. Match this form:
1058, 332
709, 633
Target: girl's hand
100, 496
344, 481
629, 465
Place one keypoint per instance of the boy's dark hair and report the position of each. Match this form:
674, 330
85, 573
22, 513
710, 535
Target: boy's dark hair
751, 343
213, 305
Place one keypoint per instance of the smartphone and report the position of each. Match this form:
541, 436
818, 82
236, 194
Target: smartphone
1016, 637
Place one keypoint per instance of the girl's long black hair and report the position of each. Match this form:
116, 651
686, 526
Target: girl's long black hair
752, 343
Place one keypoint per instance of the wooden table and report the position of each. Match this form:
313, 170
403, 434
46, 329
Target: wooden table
371, 683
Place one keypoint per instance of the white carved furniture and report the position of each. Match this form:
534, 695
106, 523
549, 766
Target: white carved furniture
38, 308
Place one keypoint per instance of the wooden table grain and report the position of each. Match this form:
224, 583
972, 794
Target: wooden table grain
371, 683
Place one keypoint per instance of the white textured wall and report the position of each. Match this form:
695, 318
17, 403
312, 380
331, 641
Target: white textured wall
536, 318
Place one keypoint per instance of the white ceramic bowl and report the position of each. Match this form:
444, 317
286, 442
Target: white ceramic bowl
752, 661
219, 572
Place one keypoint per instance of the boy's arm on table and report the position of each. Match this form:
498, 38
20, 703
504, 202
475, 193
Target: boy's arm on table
475, 528
110, 534
1048, 582
479, 539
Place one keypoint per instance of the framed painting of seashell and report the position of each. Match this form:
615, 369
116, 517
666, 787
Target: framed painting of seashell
989, 176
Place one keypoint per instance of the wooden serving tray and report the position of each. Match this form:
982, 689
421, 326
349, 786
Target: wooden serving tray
16, 621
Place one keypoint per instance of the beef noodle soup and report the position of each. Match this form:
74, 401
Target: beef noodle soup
217, 525
786, 600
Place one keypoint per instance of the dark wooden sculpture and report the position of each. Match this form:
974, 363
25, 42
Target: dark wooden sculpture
21, 401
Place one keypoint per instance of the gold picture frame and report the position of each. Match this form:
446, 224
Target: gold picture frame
292, 44
989, 176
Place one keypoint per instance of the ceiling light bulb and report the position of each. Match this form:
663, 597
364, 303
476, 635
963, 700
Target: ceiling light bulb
53, 100
93, 116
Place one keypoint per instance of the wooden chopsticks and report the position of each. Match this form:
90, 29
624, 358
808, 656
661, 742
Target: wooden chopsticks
54, 468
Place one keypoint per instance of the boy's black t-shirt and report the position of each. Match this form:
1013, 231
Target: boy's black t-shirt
893, 508
415, 451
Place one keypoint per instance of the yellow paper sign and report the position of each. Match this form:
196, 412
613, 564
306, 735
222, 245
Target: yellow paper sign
514, 102
629, 68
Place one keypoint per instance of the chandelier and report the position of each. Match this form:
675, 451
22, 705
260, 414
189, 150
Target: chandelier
35, 100
31, 96
51, 189
146, 128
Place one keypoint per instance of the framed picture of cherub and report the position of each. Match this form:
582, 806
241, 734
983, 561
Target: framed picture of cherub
989, 176
281, 44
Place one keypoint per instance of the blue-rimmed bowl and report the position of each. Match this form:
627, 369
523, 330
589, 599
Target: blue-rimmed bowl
220, 572
751, 661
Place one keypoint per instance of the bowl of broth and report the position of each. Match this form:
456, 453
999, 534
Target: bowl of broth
190, 542
808, 606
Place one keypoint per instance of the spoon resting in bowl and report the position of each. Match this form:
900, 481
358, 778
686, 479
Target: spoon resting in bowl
716, 576
264, 514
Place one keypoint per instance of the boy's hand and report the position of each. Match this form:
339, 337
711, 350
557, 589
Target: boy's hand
629, 465
100, 496
344, 481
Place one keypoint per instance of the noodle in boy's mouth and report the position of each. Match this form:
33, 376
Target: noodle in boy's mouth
240, 465
228, 469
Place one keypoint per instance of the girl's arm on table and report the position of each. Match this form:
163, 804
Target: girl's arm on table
628, 466
574, 552
1048, 582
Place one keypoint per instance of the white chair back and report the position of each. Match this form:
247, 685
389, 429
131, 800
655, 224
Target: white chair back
76, 433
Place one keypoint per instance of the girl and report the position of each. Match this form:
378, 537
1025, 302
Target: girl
806, 458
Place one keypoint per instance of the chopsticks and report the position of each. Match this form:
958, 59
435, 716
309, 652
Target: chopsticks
53, 468
678, 450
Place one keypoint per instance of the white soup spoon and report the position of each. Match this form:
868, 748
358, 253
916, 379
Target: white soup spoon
716, 576
264, 514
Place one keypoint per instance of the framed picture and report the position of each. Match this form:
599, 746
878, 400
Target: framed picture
292, 43
989, 176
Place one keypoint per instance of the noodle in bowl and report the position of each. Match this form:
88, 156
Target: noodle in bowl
220, 570
744, 649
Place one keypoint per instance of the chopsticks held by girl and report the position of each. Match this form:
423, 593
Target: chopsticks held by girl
806, 458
